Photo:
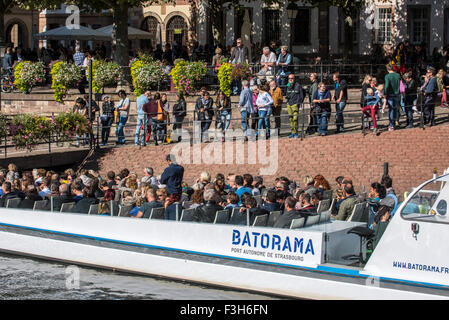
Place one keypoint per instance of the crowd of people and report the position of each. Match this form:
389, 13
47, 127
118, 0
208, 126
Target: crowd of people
137, 194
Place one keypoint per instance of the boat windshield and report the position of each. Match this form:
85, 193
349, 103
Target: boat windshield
430, 200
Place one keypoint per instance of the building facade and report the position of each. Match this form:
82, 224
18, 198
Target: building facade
315, 30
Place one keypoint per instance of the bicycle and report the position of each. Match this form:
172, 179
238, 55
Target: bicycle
7, 82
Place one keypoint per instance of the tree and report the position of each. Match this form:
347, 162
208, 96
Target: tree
119, 9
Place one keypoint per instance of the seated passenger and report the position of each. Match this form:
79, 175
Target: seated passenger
206, 213
83, 205
31, 196
104, 207
347, 205
59, 198
8, 193
289, 214
145, 209
380, 223
270, 203
232, 202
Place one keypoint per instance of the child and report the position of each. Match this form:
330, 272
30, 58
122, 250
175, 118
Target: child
372, 101
382, 98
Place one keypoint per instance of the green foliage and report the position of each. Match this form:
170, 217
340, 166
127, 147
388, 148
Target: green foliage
28, 130
186, 74
63, 76
146, 73
67, 125
224, 77
104, 73
27, 74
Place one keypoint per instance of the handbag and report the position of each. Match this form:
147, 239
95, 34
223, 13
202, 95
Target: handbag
160, 112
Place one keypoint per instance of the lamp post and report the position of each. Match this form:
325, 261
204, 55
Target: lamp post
292, 12
2, 54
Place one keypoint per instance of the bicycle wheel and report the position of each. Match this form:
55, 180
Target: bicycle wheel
6, 85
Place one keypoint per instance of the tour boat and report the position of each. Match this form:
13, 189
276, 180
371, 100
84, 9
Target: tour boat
409, 262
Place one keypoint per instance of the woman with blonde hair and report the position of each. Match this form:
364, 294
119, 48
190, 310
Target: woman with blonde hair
365, 85
309, 183
216, 59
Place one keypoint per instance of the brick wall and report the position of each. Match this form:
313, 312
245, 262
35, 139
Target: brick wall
412, 155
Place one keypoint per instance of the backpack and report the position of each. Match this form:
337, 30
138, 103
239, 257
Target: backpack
160, 112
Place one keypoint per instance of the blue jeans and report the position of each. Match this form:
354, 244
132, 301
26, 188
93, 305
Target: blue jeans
119, 132
264, 121
322, 122
245, 127
154, 128
339, 107
140, 122
236, 87
393, 102
225, 121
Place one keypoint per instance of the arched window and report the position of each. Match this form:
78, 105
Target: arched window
16, 34
177, 30
151, 25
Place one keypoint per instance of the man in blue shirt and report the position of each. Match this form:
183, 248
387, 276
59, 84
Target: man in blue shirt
246, 106
241, 189
7, 61
430, 89
283, 62
141, 123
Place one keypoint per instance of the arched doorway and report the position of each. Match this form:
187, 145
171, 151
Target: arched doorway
16, 34
177, 30
151, 25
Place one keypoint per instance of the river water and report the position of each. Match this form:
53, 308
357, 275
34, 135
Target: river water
25, 278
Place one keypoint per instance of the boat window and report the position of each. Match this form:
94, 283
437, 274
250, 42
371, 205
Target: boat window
427, 202
442, 207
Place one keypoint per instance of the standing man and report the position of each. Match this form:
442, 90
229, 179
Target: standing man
278, 100
78, 58
313, 124
172, 178
239, 56
7, 62
392, 91
340, 97
430, 89
150, 109
295, 97
246, 106
141, 123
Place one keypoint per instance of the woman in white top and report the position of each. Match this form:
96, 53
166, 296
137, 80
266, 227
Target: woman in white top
123, 109
264, 104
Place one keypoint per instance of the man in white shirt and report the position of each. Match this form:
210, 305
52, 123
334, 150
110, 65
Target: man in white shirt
267, 61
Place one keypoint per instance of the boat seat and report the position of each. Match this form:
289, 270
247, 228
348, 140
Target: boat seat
274, 215
327, 194
40, 204
259, 200
93, 209
222, 216
13, 203
67, 207
125, 210
157, 213
365, 234
311, 220
324, 205
297, 223
238, 217
260, 221
325, 216
187, 214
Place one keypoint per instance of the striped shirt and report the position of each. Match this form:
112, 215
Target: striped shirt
78, 58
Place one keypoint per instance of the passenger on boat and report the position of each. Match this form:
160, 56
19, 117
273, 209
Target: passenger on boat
83, 205
347, 205
31, 196
380, 223
270, 203
258, 184
8, 193
388, 184
309, 184
206, 213
232, 201
145, 209
172, 179
290, 213
254, 210
59, 197
377, 193
241, 188
77, 190
104, 207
